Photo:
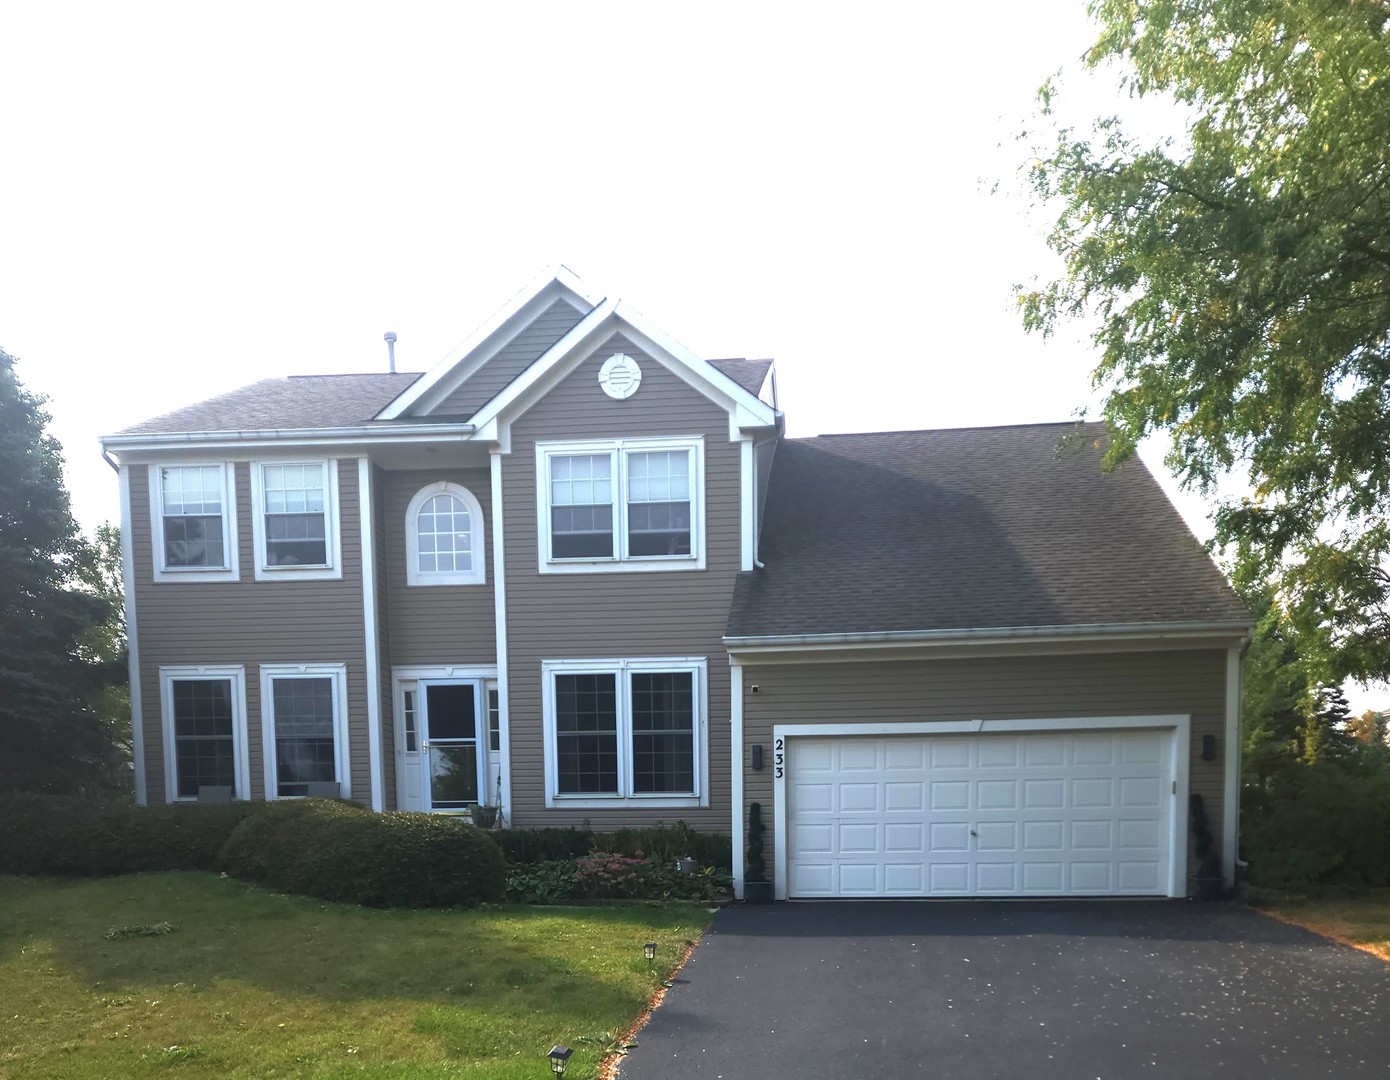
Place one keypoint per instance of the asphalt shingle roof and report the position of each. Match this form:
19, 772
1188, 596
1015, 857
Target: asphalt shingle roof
749, 374
294, 403
970, 528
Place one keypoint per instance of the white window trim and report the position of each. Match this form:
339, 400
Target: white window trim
622, 562
230, 572
240, 753
334, 569
413, 574
698, 666
341, 759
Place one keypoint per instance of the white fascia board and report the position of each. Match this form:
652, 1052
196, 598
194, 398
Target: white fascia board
555, 282
984, 636
282, 438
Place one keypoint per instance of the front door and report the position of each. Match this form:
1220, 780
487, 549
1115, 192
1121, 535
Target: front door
453, 755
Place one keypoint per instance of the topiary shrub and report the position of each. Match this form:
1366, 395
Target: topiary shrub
336, 850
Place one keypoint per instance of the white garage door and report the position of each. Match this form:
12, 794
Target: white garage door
1049, 814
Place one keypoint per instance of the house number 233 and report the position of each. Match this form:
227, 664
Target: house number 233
779, 747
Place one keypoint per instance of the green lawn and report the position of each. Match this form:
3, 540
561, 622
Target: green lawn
1362, 920
252, 984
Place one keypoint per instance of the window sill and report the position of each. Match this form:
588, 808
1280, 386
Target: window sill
299, 573
622, 566
197, 576
624, 802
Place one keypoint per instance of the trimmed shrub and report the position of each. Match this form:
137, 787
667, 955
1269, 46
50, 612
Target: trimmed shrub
527, 846
661, 844
606, 875
336, 850
46, 834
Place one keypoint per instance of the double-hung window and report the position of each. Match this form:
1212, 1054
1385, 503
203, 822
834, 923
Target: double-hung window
625, 730
295, 519
304, 729
620, 504
204, 710
193, 522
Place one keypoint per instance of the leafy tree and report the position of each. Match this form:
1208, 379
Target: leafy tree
1237, 283
99, 572
49, 736
1370, 729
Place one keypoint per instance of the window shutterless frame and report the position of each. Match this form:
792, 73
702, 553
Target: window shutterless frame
233, 677
289, 498
639, 495
273, 730
444, 537
622, 670
184, 496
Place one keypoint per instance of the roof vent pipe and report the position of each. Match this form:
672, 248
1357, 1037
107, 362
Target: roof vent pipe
390, 338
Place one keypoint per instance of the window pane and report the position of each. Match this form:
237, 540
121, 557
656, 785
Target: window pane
494, 722
296, 525
411, 738
581, 501
444, 529
586, 726
453, 775
303, 733
450, 710
658, 503
203, 728
663, 732
192, 514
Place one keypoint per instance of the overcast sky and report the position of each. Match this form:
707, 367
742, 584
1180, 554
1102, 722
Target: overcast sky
196, 196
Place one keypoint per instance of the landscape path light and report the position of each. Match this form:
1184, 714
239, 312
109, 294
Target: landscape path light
649, 951
559, 1058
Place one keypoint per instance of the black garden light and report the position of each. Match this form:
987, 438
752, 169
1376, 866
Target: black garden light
649, 950
559, 1058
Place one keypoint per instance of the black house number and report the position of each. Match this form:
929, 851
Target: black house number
779, 745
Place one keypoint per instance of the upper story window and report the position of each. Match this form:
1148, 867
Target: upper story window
295, 519
193, 522
620, 504
444, 537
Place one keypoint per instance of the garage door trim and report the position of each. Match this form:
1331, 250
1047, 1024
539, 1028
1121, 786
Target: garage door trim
1179, 724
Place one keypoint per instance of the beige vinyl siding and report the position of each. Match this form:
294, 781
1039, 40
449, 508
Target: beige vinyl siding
1035, 687
383, 622
511, 360
438, 624
250, 622
618, 615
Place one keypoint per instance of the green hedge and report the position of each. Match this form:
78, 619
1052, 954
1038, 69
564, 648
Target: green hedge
48, 834
661, 844
339, 851
605, 875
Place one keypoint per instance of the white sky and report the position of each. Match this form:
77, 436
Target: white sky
198, 196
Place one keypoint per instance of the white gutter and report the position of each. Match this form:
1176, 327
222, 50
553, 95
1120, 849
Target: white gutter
889, 639
235, 440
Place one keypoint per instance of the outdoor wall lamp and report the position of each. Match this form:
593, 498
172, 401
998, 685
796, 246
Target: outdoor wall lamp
757, 757
649, 951
1208, 747
559, 1058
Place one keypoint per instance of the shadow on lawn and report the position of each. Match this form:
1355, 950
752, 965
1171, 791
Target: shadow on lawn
225, 930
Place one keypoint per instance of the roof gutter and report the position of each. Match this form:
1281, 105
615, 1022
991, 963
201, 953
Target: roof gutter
993, 635
218, 440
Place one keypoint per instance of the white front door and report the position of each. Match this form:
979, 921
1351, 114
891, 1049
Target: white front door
453, 746
1058, 813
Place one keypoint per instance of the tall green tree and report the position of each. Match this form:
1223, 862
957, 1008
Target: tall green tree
50, 737
1236, 280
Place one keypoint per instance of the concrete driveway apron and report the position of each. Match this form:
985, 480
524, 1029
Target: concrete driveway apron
1036, 990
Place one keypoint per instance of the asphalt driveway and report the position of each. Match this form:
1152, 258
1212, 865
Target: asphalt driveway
1035, 991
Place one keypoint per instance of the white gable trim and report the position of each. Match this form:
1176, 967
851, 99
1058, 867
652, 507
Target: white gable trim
478, 348
612, 316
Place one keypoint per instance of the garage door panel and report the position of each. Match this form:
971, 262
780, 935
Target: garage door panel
1077, 813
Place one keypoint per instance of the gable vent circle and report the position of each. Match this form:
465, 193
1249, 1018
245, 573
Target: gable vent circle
620, 376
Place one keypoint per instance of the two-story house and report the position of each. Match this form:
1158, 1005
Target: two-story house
578, 572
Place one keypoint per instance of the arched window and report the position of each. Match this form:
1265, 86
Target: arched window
444, 537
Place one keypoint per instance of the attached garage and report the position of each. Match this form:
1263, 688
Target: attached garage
1011, 808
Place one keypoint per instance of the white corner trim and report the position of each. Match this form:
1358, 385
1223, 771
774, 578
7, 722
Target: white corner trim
342, 760
502, 674
333, 571
414, 576
137, 712
370, 642
1180, 764
230, 572
622, 668
554, 283
736, 753
748, 502
236, 674
1230, 803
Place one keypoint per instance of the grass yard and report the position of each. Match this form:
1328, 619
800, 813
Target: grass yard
255, 985
1362, 920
